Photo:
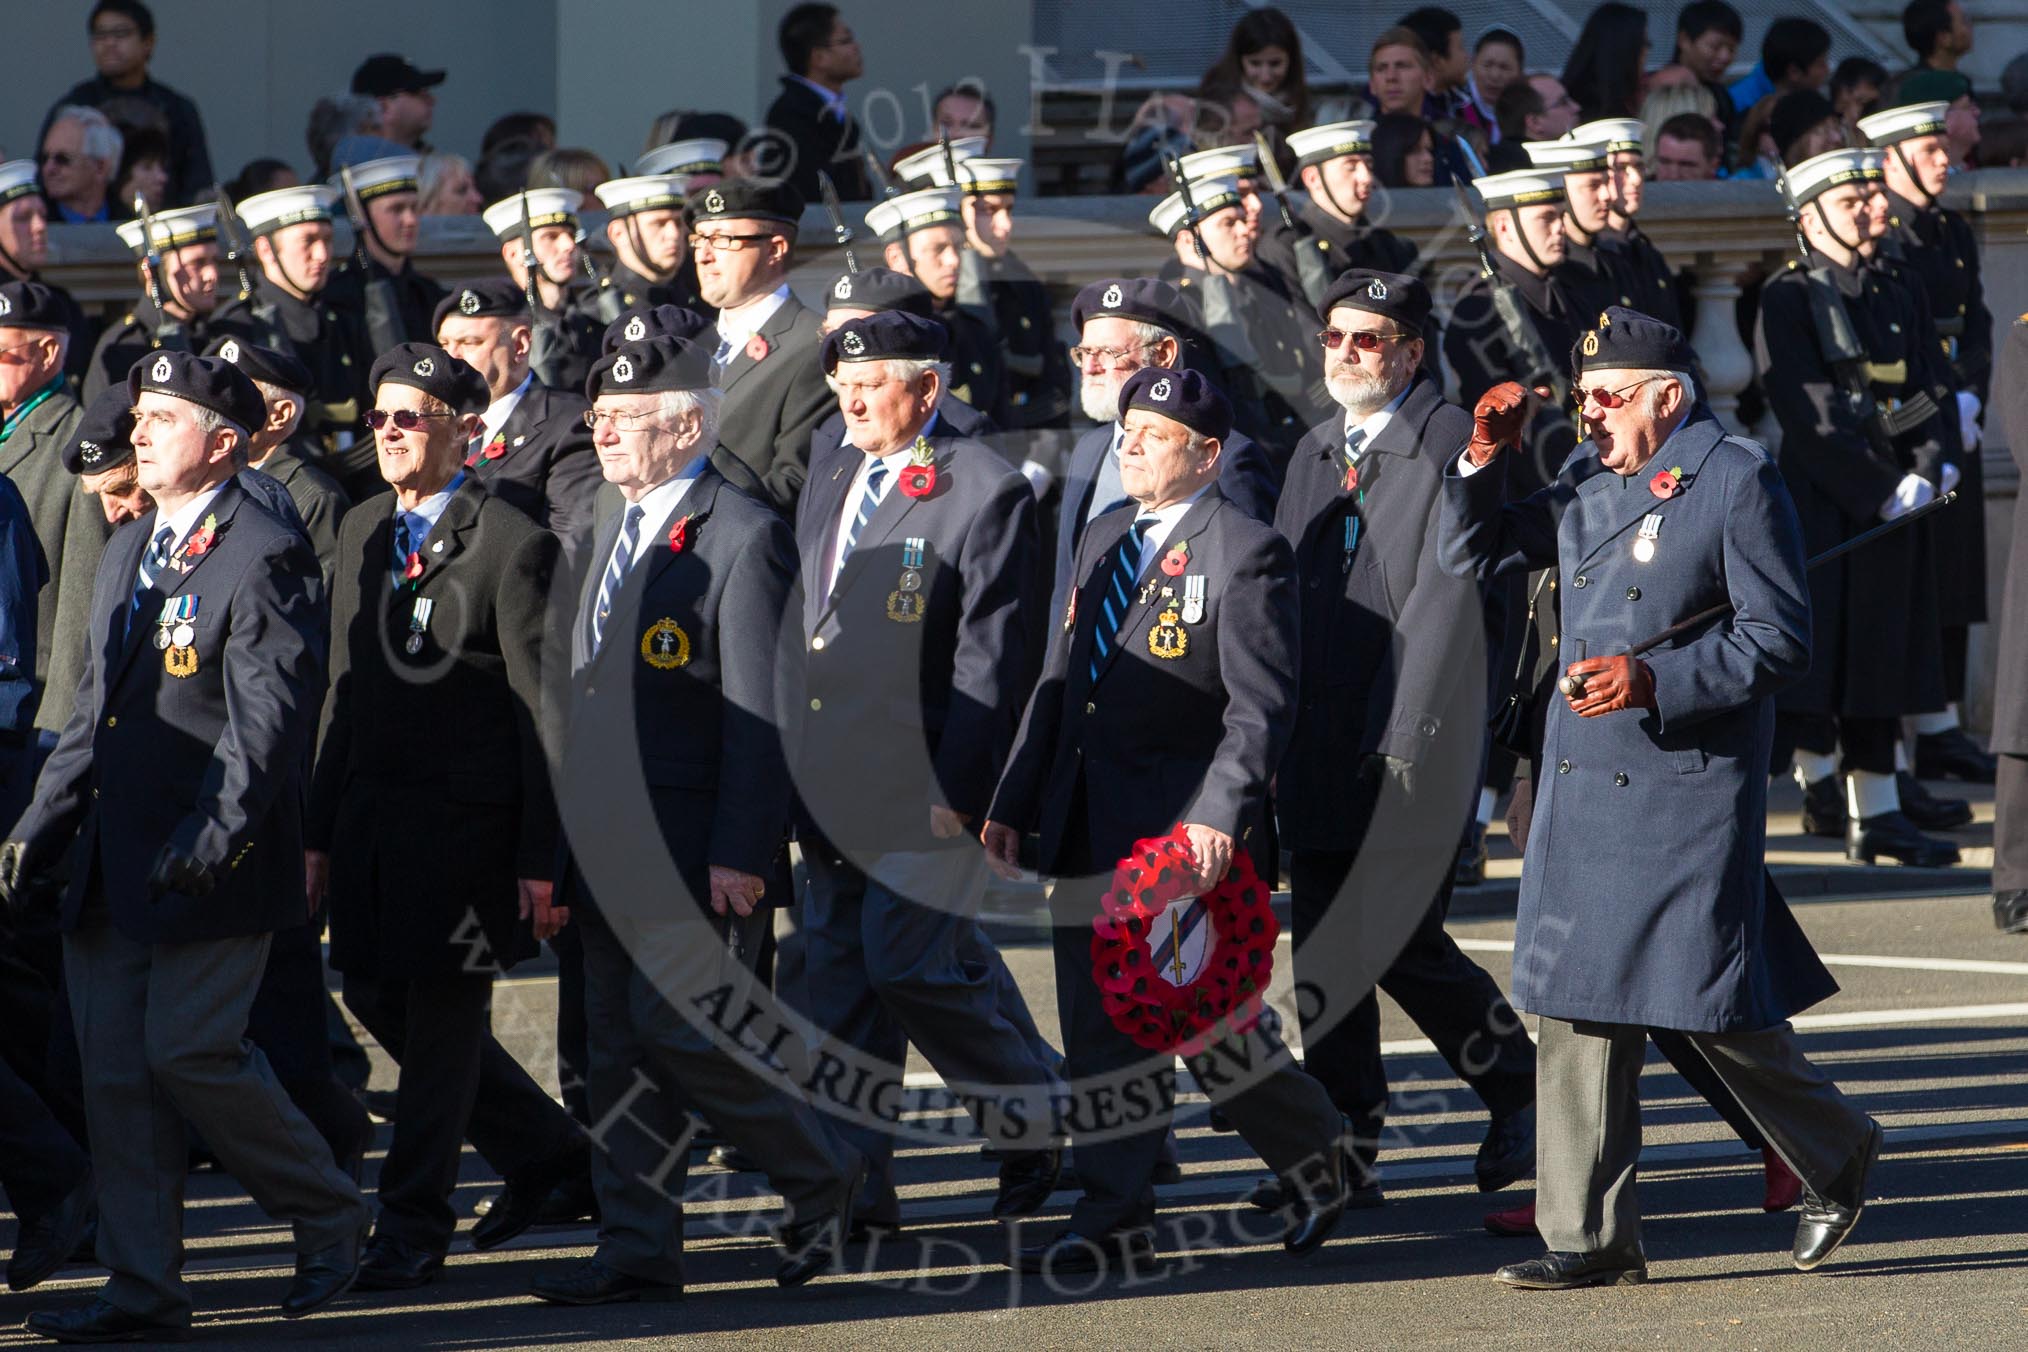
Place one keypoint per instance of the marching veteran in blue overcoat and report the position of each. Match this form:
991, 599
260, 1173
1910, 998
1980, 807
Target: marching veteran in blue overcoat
1644, 899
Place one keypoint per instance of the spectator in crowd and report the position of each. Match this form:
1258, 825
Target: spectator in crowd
1675, 100
1497, 62
1403, 151
123, 42
1397, 74
683, 124
405, 95
262, 175
812, 128
1937, 32
1804, 125
1708, 34
966, 109
1855, 88
1263, 65
445, 186
1162, 129
1794, 54
1608, 62
144, 169
333, 119
1686, 150
1961, 123
1537, 108
1443, 35
2014, 84
570, 167
537, 129
80, 155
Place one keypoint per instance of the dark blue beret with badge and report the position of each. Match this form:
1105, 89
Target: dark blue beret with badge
265, 365
1404, 300
746, 199
1185, 396
30, 305
889, 335
104, 434
208, 382
652, 366
435, 372
879, 289
493, 298
658, 321
1627, 340
1146, 300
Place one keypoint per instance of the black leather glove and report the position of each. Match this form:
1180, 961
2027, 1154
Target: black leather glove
175, 871
13, 874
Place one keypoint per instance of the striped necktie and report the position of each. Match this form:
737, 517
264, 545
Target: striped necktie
616, 573
153, 561
1355, 447
1119, 590
869, 502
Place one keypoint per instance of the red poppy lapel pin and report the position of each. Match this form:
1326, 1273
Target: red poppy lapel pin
1667, 483
919, 477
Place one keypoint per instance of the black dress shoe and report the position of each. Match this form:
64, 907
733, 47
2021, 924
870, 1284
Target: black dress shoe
733, 1160
571, 1202
1166, 1171
1954, 755
1894, 835
1271, 1194
519, 1203
1508, 1152
813, 1245
1824, 808
866, 1229
1925, 809
1828, 1219
99, 1322
378, 1102
1071, 1252
2010, 911
593, 1283
1316, 1211
1026, 1180
391, 1264
322, 1277
47, 1242
1470, 868
1567, 1271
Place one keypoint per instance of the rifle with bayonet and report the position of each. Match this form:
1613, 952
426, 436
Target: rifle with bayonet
1311, 273
548, 346
1224, 326
239, 256
168, 331
840, 231
1538, 368
385, 327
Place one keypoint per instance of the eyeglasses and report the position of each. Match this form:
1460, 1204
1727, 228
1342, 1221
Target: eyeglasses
1112, 356
407, 419
625, 422
1365, 341
11, 355
1613, 398
62, 159
123, 33
729, 243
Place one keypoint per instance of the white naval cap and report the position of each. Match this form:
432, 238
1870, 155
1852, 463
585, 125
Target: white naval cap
174, 229
1618, 133
1520, 188
927, 164
265, 213
1905, 123
643, 192
1241, 161
378, 178
898, 216
1315, 145
699, 155
1569, 153
1208, 195
546, 206
1872, 164
1820, 173
18, 179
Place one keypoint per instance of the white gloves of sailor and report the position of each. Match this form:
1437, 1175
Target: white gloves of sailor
1968, 422
1912, 492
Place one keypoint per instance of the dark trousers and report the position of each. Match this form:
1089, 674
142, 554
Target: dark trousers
287, 1022
572, 1056
2010, 825
1865, 745
40, 1162
457, 1083
1451, 998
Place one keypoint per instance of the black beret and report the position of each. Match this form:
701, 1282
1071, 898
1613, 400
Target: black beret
265, 365
658, 321
652, 366
746, 199
30, 305
1185, 396
435, 372
890, 334
208, 382
104, 434
1147, 300
1627, 340
879, 289
494, 298
1405, 300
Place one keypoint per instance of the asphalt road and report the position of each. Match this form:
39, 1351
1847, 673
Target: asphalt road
1927, 1034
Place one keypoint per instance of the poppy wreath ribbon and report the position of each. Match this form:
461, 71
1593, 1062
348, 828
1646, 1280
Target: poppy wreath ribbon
1149, 986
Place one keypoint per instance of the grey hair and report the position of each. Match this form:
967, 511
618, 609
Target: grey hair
274, 392
706, 404
1651, 396
102, 140
210, 420
910, 369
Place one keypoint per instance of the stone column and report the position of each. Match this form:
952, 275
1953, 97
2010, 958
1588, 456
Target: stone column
1714, 331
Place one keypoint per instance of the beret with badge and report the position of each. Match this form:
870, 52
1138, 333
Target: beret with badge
1182, 396
746, 199
208, 382
652, 366
30, 305
658, 321
1403, 299
872, 289
1627, 340
435, 372
265, 365
1145, 300
104, 435
891, 335
491, 298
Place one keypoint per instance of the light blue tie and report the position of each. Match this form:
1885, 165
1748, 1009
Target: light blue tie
869, 502
1119, 591
616, 573
153, 561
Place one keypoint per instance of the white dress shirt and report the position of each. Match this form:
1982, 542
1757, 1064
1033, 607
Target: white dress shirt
736, 327
187, 516
660, 506
499, 411
1165, 522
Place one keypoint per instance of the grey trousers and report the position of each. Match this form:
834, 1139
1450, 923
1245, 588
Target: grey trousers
161, 1029
2010, 825
647, 1066
1588, 1122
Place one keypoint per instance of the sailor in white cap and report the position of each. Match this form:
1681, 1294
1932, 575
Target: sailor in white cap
542, 224
922, 234
186, 245
24, 248
645, 228
1588, 281
388, 203
1644, 273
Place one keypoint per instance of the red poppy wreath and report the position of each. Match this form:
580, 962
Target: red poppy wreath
1176, 974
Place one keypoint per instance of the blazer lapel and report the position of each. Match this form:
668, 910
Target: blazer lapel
894, 507
778, 323
823, 501
1148, 597
446, 538
514, 432
588, 591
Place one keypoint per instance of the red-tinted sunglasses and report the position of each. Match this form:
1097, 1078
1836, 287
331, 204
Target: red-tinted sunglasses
1333, 339
407, 419
1612, 398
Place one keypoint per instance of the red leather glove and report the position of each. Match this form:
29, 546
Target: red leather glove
1606, 685
1497, 421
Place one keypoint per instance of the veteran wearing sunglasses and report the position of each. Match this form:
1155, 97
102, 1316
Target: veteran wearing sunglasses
1644, 898
432, 826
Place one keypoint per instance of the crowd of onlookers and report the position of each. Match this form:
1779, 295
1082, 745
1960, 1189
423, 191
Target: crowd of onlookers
1444, 106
